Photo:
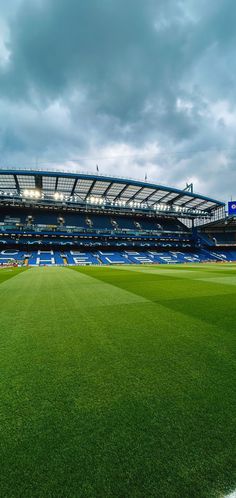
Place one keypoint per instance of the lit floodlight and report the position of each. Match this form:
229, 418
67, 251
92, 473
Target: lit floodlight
32, 194
58, 196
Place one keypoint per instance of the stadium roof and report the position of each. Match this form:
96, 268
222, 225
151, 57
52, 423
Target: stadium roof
91, 188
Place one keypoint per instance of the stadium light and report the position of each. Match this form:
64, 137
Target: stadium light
58, 196
32, 194
99, 201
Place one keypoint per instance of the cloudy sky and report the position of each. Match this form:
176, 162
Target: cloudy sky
135, 86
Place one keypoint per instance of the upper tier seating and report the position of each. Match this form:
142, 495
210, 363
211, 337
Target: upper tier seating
39, 220
225, 237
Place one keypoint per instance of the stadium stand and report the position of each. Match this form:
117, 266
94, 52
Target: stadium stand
57, 218
51, 258
221, 232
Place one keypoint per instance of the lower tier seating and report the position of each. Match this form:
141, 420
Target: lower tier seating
51, 257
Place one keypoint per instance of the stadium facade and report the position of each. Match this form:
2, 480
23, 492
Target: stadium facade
61, 218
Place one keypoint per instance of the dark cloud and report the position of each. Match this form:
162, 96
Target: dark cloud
138, 86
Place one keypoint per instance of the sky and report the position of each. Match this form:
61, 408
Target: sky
134, 86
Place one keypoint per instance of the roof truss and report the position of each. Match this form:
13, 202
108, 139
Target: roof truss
82, 185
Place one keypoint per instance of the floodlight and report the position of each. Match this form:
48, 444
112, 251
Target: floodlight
32, 194
58, 196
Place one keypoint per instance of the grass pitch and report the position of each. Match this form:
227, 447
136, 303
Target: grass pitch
117, 382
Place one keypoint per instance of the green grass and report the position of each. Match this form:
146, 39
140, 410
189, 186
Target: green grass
117, 382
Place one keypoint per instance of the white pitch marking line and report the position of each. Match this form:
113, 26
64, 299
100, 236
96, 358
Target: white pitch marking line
231, 495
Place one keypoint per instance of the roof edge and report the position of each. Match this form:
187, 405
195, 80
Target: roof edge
115, 179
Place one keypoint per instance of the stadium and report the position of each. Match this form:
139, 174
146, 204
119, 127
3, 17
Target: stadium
53, 218
117, 335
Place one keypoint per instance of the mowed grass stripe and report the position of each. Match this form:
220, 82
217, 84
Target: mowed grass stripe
7, 273
181, 271
226, 280
207, 304
158, 285
109, 401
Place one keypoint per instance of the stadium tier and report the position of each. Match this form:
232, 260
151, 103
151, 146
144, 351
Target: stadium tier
51, 258
57, 218
221, 232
